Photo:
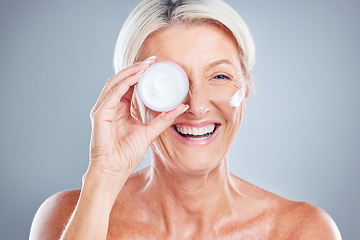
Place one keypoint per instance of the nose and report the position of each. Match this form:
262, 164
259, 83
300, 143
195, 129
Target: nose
198, 103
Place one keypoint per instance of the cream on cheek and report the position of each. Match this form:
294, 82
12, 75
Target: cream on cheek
239, 95
226, 97
236, 100
227, 100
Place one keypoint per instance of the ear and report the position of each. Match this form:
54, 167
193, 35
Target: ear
247, 93
247, 90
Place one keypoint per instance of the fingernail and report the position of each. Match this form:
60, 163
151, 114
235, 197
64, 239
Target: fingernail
186, 108
149, 58
139, 72
145, 62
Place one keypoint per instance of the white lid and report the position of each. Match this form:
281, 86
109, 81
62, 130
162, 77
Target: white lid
163, 86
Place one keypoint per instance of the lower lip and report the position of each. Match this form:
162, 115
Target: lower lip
190, 142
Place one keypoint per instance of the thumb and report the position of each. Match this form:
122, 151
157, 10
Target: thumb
163, 121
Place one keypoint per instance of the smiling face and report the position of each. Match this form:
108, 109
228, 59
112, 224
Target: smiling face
200, 138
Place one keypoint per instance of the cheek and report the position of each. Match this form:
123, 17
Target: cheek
221, 98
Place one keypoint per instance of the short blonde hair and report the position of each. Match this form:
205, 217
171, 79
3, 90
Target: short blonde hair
151, 16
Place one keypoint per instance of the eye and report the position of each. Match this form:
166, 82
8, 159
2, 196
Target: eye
221, 77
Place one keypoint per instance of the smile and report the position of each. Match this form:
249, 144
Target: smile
196, 134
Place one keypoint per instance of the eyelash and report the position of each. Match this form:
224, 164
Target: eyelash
224, 77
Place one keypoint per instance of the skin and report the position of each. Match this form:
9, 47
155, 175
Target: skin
187, 192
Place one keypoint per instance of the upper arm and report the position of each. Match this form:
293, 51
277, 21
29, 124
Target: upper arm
53, 215
313, 223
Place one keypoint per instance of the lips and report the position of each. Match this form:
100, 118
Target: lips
191, 134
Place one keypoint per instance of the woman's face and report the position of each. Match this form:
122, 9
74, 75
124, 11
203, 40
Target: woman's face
201, 137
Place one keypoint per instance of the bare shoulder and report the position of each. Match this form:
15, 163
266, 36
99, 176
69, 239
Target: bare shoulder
291, 219
52, 216
307, 221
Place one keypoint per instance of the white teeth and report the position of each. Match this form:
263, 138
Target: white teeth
197, 139
195, 131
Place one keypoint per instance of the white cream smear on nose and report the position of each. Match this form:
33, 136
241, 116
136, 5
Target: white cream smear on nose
236, 100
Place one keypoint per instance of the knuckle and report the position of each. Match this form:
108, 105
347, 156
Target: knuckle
92, 111
110, 80
166, 117
150, 134
96, 116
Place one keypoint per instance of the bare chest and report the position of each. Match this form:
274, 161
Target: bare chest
259, 230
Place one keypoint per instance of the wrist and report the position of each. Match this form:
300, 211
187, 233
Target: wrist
107, 185
90, 219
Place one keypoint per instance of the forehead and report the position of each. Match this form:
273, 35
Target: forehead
192, 43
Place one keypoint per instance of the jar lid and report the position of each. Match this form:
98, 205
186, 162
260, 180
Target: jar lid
163, 86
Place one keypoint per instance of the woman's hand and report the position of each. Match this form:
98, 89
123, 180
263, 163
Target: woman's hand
118, 144
119, 141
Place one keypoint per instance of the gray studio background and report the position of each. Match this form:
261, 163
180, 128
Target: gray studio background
299, 138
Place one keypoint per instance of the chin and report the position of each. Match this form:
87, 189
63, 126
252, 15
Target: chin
198, 163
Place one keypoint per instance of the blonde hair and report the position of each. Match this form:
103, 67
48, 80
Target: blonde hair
151, 16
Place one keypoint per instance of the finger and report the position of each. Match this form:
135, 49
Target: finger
128, 95
126, 106
163, 121
117, 92
122, 75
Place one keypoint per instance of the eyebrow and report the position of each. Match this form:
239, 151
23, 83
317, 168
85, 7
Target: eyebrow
219, 62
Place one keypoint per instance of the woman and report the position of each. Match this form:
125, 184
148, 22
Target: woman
187, 192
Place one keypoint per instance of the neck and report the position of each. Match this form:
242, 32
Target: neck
196, 200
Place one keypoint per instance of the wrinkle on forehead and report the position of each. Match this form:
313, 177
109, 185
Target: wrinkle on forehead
182, 45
